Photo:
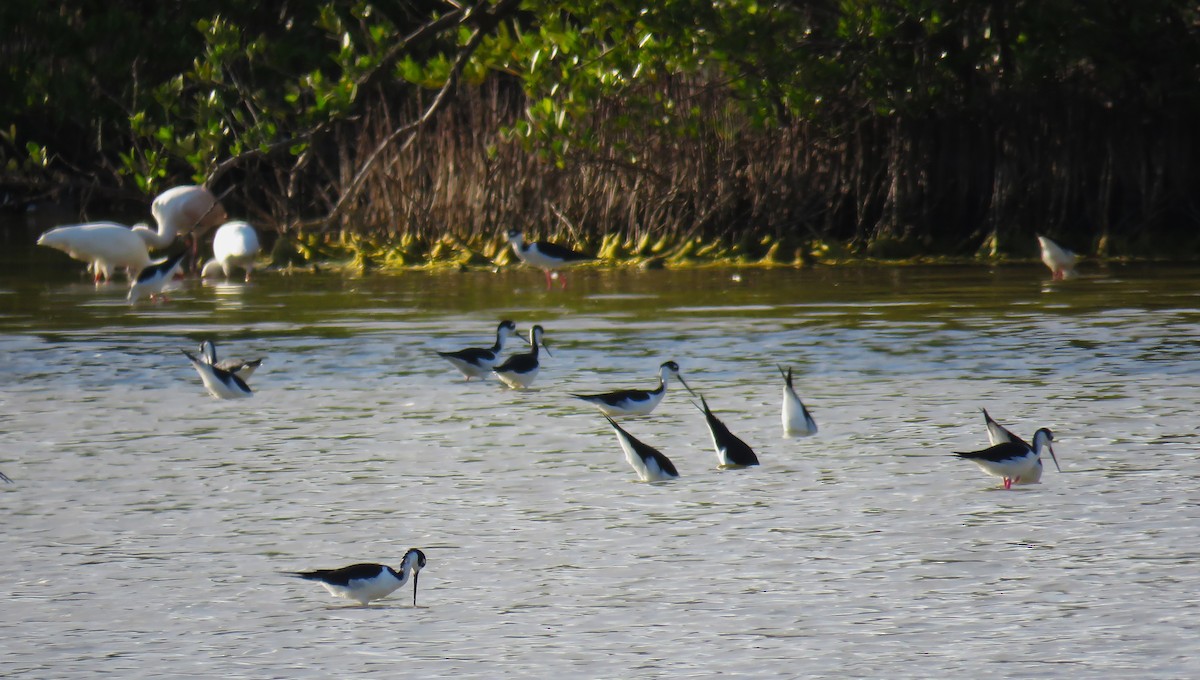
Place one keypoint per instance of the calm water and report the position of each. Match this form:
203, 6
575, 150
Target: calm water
148, 522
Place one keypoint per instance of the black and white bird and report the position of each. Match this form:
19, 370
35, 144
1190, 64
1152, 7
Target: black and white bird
220, 383
519, 370
635, 402
731, 451
151, 281
368, 581
549, 257
477, 362
1015, 462
797, 421
243, 369
648, 462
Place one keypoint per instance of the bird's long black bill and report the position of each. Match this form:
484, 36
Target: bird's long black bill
685, 385
416, 575
1053, 457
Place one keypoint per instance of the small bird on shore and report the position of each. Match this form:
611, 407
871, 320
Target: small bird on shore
1014, 462
151, 281
477, 362
731, 451
797, 421
367, 582
1060, 260
549, 257
648, 462
519, 370
635, 402
243, 369
220, 383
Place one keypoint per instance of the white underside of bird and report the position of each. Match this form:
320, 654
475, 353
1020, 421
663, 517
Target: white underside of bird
1060, 260
178, 211
797, 421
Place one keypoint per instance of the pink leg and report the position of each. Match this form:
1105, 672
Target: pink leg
549, 283
1008, 483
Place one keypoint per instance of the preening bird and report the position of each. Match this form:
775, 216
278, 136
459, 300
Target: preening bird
105, 246
179, 211
151, 281
243, 369
648, 462
549, 257
235, 246
797, 421
635, 402
1060, 260
220, 383
477, 362
1014, 462
367, 582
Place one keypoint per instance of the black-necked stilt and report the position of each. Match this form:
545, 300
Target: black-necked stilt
235, 246
648, 462
105, 246
367, 582
997, 434
477, 362
797, 421
549, 257
519, 370
153, 278
243, 369
1060, 260
1015, 462
220, 383
635, 402
731, 451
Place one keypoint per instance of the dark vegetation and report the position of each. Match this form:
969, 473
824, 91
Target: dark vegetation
411, 130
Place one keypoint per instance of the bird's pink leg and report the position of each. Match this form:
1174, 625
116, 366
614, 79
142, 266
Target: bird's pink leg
549, 284
1008, 483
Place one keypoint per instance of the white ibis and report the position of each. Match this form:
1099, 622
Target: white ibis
1060, 260
105, 246
235, 246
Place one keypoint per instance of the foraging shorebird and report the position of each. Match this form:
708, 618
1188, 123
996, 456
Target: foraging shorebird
648, 462
220, 383
1060, 260
153, 278
635, 402
235, 246
549, 257
477, 362
1015, 462
105, 246
731, 451
519, 370
243, 369
797, 421
368, 581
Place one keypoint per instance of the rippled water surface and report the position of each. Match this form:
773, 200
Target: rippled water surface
147, 523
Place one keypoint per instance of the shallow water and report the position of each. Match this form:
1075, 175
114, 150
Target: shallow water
147, 522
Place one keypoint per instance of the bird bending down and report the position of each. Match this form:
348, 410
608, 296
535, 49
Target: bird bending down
105, 246
797, 421
367, 582
549, 257
1060, 260
151, 281
635, 402
731, 451
243, 369
1015, 462
648, 462
477, 362
178, 211
235, 246
519, 370
220, 383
